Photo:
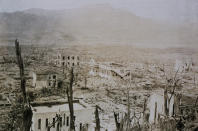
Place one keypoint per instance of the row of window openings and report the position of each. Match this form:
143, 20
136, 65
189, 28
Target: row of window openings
72, 57
54, 77
52, 84
69, 63
54, 121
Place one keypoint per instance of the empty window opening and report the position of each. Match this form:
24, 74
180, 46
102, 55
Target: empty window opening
54, 76
39, 123
46, 122
64, 120
53, 122
67, 120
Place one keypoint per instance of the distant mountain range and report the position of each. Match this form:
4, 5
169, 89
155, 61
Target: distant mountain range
100, 24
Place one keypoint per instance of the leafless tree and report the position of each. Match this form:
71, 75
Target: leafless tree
171, 84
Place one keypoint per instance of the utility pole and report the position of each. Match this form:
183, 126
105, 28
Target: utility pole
70, 100
27, 111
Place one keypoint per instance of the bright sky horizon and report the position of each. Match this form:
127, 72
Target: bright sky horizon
176, 11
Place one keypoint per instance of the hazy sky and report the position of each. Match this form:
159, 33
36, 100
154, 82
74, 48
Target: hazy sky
168, 10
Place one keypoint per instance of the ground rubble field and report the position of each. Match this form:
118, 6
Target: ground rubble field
109, 95
113, 101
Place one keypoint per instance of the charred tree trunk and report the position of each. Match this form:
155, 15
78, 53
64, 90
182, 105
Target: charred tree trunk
58, 126
27, 112
27, 118
21, 67
166, 110
117, 121
97, 119
70, 100
155, 116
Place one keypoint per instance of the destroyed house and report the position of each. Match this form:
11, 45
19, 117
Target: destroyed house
101, 70
156, 107
45, 79
57, 116
67, 60
106, 71
180, 105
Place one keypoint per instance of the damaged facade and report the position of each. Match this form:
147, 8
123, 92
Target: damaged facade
45, 79
67, 60
57, 117
107, 70
156, 106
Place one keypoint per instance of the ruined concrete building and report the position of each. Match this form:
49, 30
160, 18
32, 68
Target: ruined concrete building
156, 106
179, 105
67, 60
57, 117
107, 70
45, 78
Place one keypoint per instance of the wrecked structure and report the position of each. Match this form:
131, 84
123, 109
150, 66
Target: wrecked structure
45, 78
156, 106
107, 70
63, 60
57, 117
172, 111
111, 95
